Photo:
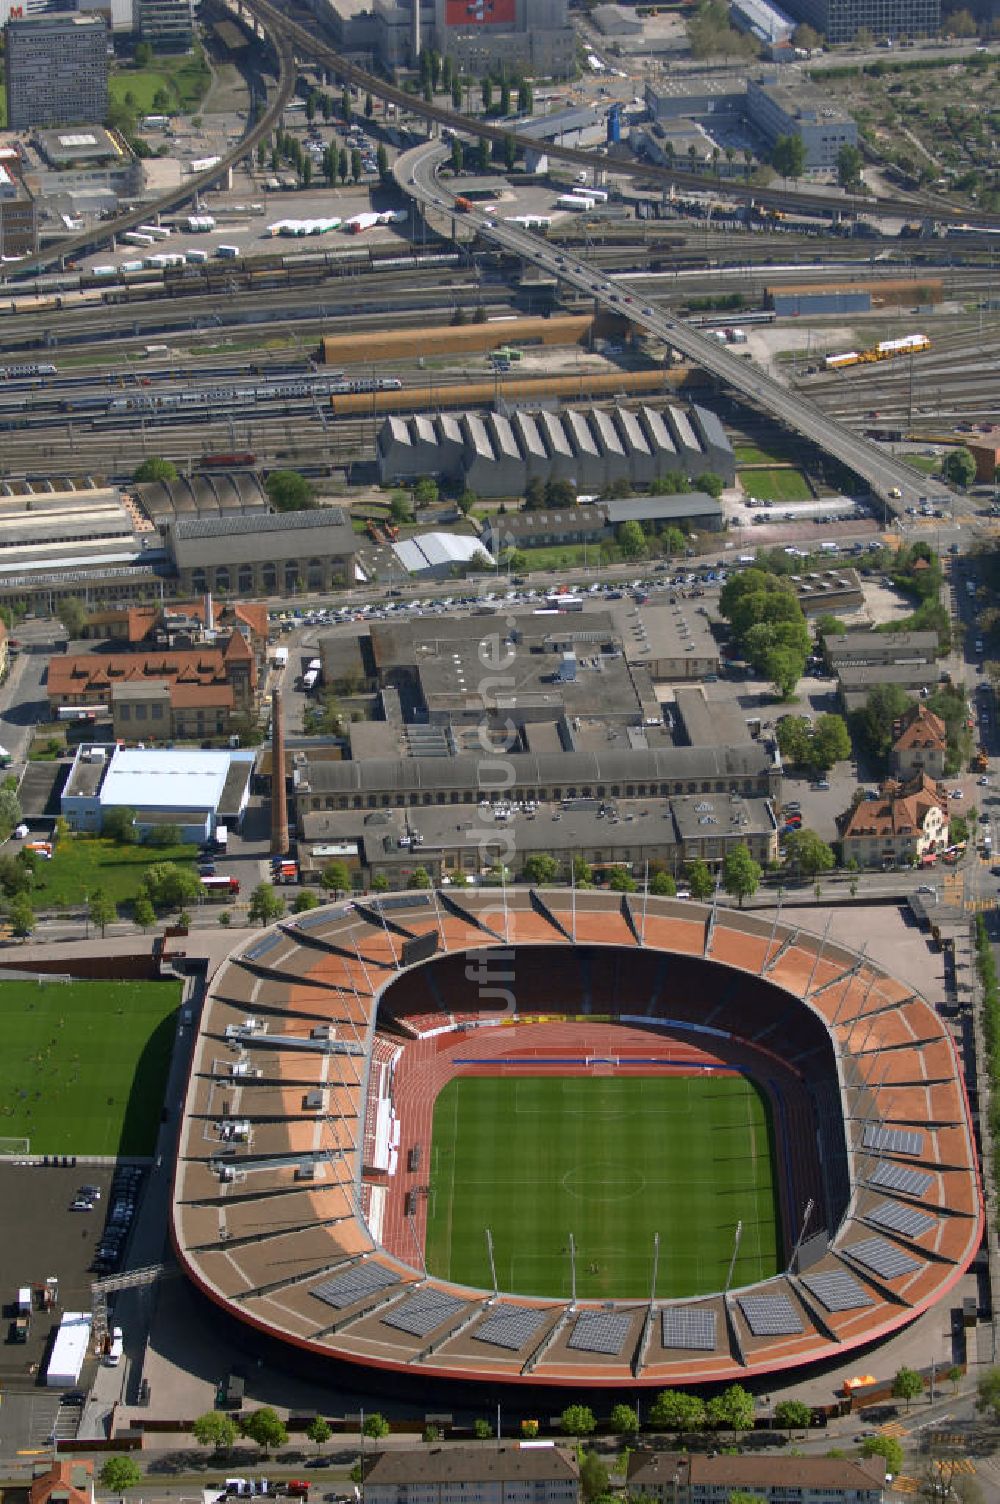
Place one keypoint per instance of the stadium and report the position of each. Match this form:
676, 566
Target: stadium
562, 1141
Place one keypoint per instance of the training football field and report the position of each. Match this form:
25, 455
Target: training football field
611, 1160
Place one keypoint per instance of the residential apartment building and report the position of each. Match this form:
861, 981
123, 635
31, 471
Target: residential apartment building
160, 696
505, 1474
905, 823
679, 1478
778, 109
920, 744
57, 70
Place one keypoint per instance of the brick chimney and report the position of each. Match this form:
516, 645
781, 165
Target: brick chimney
279, 795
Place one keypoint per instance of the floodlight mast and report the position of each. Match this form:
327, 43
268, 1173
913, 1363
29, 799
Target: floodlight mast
493, 1265
656, 1265
738, 1238
572, 1271
809, 1209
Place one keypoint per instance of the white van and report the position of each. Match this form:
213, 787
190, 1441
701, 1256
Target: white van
117, 1348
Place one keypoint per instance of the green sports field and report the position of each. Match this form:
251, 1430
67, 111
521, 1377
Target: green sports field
84, 1064
612, 1160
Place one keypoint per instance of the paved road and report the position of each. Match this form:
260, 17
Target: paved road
890, 479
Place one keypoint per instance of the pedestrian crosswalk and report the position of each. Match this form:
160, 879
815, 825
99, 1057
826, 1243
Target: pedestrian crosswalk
893, 1428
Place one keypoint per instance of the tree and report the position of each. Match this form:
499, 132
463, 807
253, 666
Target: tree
345, 105
788, 156
356, 164
959, 467
306, 171
631, 540
673, 1410
457, 156
318, 1429
426, 492
265, 904
481, 1429
792, 1415
483, 155
343, 165
886, 1447
486, 93
831, 742
288, 491
577, 1420
583, 873
102, 910
624, 1420
73, 615
621, 881
336, 878
380, 883
700, 880
119, 1473
467, 501
215, 1429
155, 469
955, 1376
740, 873
119, 825
21, 916
143, 54
849, 165
732, 1410
160, 835
376, 1426
794, 738
505, 98
168, 885
509, 152
265, 1426
525, 98
906, 1385
710, 483
593, 1476
419, 878
456, 93
988, 1392
541, 868
305, 900
806, 853
662, 885
143, 913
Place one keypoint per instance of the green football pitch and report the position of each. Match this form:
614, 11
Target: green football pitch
611, 1160
84, 1064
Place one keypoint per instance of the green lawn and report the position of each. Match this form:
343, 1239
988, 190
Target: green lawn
775, 485
84, 1064
181, 78
927, 464
612, 1160
81, 864
752, 454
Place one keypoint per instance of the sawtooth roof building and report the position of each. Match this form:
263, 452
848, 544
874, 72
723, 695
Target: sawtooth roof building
592, 448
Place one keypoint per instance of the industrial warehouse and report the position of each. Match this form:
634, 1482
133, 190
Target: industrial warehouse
591, 448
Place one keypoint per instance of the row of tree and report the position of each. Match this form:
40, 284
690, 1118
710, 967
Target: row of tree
768, 626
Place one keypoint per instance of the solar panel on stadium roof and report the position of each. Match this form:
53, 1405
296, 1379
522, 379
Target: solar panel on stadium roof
600, 1332
510, 1326
837, 1290
313, 921
883, 1258
893, 1140
355, 1284
263, 946
695, 1329
770, 1315
899, 1218
893, 1177
423, 1312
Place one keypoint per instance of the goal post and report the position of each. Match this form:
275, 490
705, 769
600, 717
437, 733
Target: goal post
14, 1147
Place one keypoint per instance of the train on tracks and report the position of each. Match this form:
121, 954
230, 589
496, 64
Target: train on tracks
886, 349
207, 399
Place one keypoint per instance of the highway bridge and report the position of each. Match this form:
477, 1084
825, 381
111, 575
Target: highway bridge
892, 481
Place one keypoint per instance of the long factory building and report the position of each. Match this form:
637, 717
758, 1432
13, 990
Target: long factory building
497, 456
